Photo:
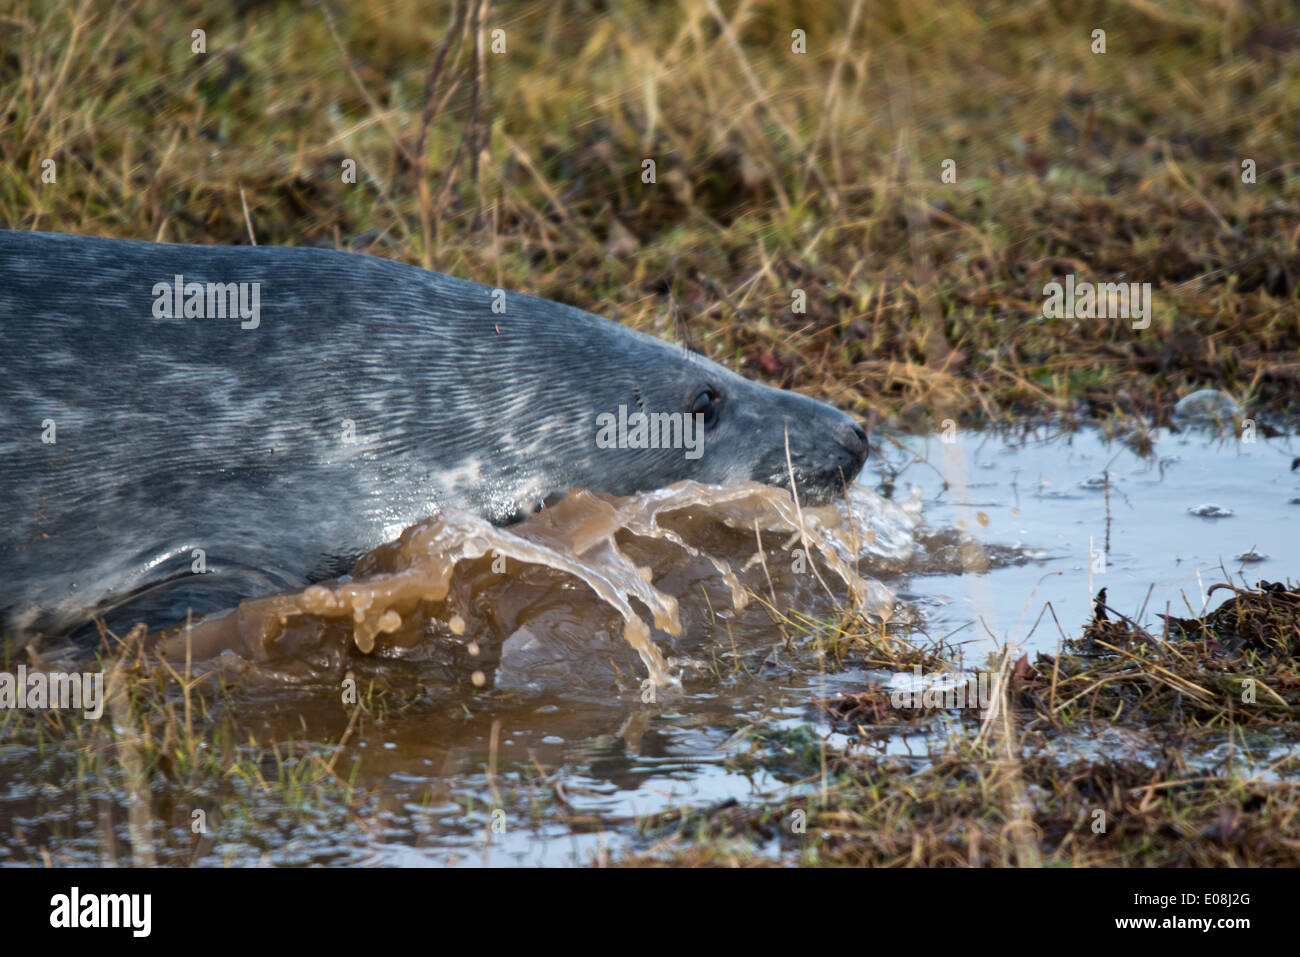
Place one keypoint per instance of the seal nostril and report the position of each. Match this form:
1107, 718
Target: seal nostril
857, 442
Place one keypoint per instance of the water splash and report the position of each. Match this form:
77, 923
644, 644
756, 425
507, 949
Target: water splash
450, 576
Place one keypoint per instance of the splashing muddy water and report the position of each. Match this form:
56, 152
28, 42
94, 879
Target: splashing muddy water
456, 580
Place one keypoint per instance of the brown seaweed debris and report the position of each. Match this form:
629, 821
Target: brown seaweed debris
1102, 636
1264, 620
869, 707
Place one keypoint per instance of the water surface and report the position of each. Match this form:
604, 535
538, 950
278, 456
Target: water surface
560, 764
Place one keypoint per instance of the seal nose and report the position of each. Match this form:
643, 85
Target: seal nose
860, 436
856, 442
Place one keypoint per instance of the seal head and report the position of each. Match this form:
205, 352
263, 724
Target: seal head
245, 419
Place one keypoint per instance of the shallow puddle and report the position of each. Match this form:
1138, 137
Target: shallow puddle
526, 733
1069, 515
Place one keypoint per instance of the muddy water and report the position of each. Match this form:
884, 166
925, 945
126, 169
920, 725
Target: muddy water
622, 660
535, 605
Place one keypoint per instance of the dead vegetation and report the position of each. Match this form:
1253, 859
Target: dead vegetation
1134, 750
517, 158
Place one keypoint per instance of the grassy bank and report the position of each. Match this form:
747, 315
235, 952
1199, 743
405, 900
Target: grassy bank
775, 172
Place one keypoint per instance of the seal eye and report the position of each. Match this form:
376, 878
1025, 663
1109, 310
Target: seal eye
707, 402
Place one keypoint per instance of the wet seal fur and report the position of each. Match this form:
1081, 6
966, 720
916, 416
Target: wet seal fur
152, 465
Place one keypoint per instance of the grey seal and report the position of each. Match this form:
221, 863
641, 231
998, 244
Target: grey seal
184, 426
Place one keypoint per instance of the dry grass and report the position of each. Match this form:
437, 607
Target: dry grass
776, 171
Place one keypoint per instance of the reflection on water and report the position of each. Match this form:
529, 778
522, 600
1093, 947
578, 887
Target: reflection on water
517, 727
1073, 514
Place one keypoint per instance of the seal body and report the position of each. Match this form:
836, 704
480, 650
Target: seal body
211, 423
